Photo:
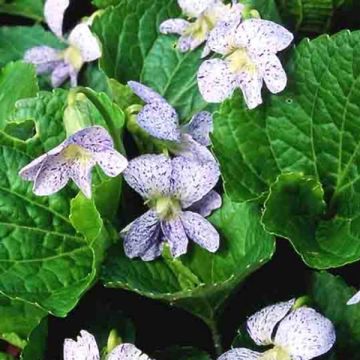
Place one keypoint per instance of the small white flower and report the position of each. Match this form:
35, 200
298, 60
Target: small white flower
83, 47
355, 299
74, 159
85, 348
249, 49
207, 13
300, 334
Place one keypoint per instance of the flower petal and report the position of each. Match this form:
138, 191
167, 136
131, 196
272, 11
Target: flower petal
251, 85
44, 58
30, 171
111, 162
174, 26
305, 333
174, 233
80, 173
355, 299
200, 127
221, 38
261, 325
82, 38
273, 73
189, 43
93, 138
149, 175
240, 354
144, 92
207, 204
262, 35
140, 236
195, 8
192, 180
54, 11
200, 231
160, 120
85, 348
60, 74
127, 352
53, 175
216, 81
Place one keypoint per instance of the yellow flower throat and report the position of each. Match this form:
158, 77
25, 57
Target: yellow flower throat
240, 61
73, 56
73, 151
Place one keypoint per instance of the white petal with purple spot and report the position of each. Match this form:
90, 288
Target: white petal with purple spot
261, 325
111, 162
44, 58
195, 8
80, 173
207, 204
127, 352
145, 93
305, 333
149, 175
54, 11
175, 235
355, 299
241, 354
174, 26
84, 348
60, 74
250, 85
200, 231
200, 127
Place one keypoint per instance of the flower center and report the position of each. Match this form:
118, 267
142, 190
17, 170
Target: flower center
240, 61
72, 56
77, 152
167, 207
202, 26
277, 353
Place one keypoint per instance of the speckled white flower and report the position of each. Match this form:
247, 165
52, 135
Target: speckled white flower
355, 299
74, 159
207, 13
249, 49
83, 47
159, 119
171, 187
297, 334
85, 348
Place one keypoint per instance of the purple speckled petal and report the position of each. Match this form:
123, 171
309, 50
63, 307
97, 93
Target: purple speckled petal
250, 85
216, 81
127, 352
261, 325
85, 348
60, 74
111, 162
207, 204
82, 38
80, 173
53, 175
174, 26
145, 93
160, 120
149, 175
200, 231
192, 180
189, 43
174, 233
305, 334
195, 8
44, 58
140, 236
54, 11
355, 299
94, 138
241, 354
200, 127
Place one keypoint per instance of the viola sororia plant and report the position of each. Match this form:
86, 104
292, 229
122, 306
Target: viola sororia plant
171, 167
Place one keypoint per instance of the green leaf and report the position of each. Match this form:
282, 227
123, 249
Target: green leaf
127, 33
36, 347
17, 81
28, 8
173, 75
105, 3
15, 40
311, 128
330, 293
267, 8
244, 248
182, 353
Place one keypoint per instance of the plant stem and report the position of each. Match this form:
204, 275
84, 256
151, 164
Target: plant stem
216, 337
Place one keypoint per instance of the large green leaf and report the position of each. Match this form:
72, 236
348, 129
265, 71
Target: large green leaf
28, 8
15, 40
128, 32
311, 128
199, 281
330, 293
36, 346
173, 75
17, 81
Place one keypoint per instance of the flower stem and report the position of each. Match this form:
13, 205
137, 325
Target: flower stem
115, 133
216, 337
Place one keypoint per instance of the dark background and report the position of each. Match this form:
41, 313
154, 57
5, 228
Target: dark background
157, 325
